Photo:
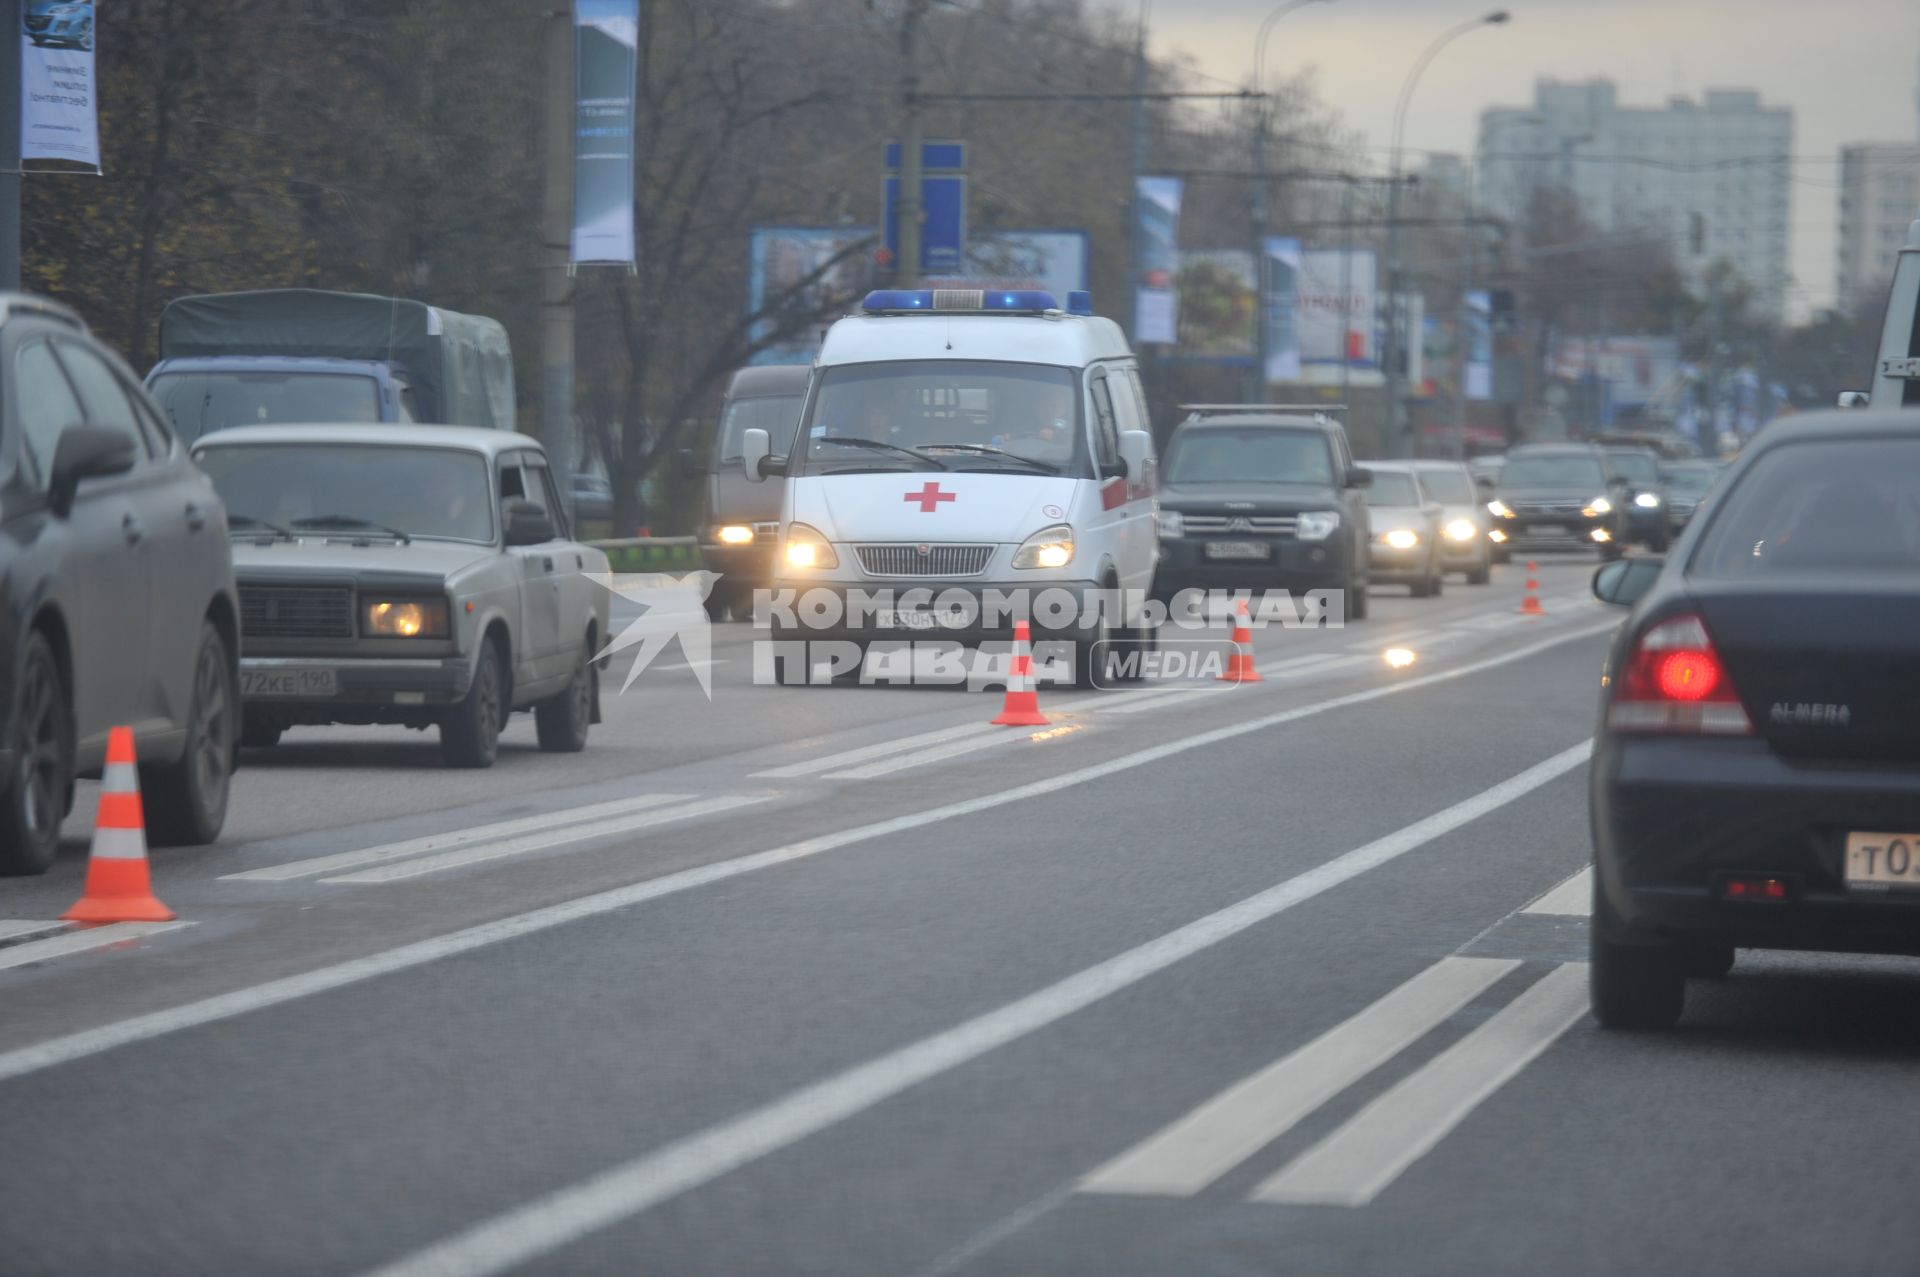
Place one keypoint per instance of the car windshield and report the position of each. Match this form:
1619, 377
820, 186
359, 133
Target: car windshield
1450, 487
438, 493
1561, 471
776, 414
1219, 454
884, 416
1392, 488
1638, 467
1690, 480
1839, 506
198, 403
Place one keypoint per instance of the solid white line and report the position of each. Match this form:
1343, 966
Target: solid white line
15, 930
1354, 1164
814, 766
450, 839
106, 1037
691, 665
934, 754
1160, 700
1193, 1152
543, 841
1573, 898
557, 1220
1298, 662
20, 955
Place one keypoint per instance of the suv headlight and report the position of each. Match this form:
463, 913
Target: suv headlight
806, 548
1646, 500
1317, 525
1173, 525
1598, 506
1499, 509
1048, 548
403, 617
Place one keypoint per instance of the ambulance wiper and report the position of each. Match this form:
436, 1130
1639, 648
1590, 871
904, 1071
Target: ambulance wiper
848, 441
1000, 454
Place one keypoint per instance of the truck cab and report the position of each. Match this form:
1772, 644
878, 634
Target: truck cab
201, 395
1896, 368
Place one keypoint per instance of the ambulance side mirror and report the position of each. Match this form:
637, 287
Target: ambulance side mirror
1136, 450
1855, 399
754, 447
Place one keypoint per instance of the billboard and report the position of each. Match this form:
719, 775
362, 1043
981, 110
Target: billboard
1216, 305
1337, 305
780, 260
1280, 260
1634, 369
1477, 319
1155, 308
58, 119
606, 45
1056, 261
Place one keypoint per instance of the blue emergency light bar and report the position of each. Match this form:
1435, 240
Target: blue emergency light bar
975, 301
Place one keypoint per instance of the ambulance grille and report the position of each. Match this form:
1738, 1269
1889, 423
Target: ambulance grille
932, 560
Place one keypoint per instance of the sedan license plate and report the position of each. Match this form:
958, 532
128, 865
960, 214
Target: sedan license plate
289, 683
1238, 550
1883, 862
908, 620
1546, 530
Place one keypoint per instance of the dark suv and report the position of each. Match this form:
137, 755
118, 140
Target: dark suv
1559, 496
1255, 497
1642, 494
117, 603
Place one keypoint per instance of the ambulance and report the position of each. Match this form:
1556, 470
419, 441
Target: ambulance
967, 459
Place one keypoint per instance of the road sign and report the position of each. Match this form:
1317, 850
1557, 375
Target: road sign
943, 230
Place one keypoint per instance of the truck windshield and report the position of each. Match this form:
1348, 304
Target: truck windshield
878, 416
777, 415
200, 402
311, 488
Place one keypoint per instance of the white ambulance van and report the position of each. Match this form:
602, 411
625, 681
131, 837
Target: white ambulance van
1896, 370
967, 459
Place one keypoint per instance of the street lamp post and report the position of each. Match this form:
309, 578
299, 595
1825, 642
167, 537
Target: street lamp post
1393, 353
1262, 335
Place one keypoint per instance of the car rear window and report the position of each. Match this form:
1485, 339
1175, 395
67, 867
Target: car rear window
1554, 470
1392, 488
1449, 487
1840, 506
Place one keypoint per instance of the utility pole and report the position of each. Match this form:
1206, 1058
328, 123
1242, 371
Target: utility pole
1460, 340
1257, 381
907, 206
10, 73
1136, 163
556, 275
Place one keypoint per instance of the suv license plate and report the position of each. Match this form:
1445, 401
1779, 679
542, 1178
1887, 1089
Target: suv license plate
289, 683
1883, 862
908, 620
1238, 550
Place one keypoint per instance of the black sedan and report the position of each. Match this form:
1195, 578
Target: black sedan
1756, 773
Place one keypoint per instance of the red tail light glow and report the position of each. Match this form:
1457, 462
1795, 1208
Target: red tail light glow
1675, 682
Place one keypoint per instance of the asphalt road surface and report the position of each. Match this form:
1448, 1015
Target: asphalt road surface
1280, 978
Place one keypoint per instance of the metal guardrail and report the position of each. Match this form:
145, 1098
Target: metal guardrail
626, 554
627, 543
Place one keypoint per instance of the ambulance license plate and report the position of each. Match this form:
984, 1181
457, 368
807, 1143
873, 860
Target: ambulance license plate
1239, 550
907, 620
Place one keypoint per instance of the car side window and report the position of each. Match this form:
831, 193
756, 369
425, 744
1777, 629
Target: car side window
540, 487
1106, 436
46, 404
512, 483
102, 398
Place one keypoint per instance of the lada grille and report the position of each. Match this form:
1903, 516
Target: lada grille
287, 611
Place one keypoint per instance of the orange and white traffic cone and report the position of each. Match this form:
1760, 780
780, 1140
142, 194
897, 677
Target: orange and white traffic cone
119, 888
1022, 708
1240, 664
1530, 601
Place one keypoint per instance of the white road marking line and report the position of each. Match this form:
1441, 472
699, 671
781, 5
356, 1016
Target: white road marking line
62, 946
814, 766
223, 1006
1408, 638
691, 665
551, 838
1184, 1158
934, 754
559, 1219
1160, 700
1354, 1164
1298, 662
18, 930
318, 865
1573, 898
1491, 621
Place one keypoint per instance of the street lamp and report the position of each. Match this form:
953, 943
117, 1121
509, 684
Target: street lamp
1395, 391
1262, 320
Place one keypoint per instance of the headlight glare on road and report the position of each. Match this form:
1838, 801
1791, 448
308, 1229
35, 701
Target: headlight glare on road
1597, 507
1462, 530
1048, 548
404, 618
733, 534
1317, 525
1173, 525
1402, 538
1499, 509
1647, 501
806, 548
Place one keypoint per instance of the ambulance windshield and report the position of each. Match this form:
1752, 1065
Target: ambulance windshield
945, 414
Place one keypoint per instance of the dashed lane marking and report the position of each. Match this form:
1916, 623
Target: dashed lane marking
1573, 898
846, 758
19, 930
65, 946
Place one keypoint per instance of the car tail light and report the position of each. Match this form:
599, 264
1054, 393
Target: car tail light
1675, 682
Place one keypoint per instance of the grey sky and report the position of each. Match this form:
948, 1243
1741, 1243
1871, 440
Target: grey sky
1848, 68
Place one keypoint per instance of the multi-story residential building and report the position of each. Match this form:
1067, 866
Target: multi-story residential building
1879, 199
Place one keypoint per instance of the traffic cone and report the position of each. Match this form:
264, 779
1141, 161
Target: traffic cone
1022, 708
1530, 601
119, 888
1240, 663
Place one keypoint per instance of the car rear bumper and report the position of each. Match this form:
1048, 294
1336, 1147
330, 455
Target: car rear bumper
1672, 818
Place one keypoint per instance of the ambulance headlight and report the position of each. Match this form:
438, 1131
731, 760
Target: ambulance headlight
806, 548
1317, 525
1048, 548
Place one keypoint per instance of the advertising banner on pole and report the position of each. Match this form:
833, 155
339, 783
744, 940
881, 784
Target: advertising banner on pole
1280, 294
1477, 321
605, 64
1336, 304
58, 119
1155, 311
1215, 306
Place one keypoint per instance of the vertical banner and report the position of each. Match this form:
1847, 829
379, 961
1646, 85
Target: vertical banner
57, 95
1280, 294
606, 52
1476, 343
1155, 317
1336, 306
